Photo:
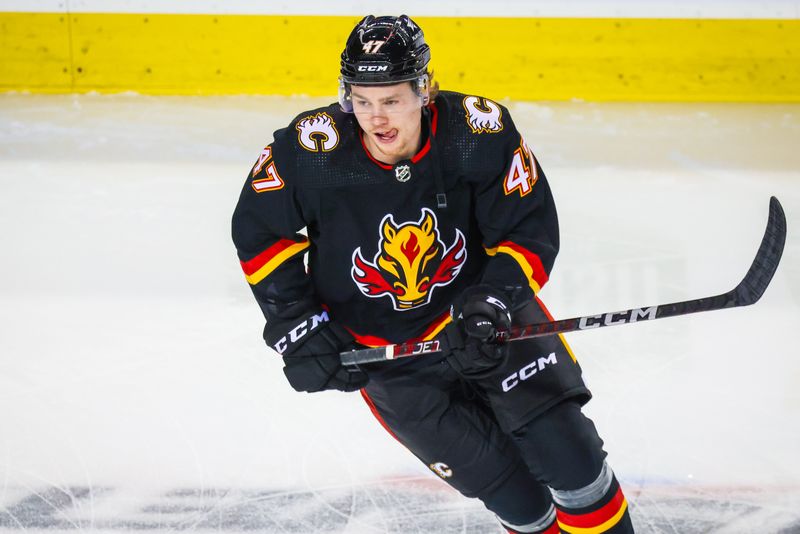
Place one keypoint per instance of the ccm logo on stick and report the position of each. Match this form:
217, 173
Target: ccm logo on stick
611, 319
300, 330
528, 371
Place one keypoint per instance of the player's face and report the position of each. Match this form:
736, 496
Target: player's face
391, 117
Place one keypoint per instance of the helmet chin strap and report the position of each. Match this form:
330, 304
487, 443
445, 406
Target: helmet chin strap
422, 88
438, 177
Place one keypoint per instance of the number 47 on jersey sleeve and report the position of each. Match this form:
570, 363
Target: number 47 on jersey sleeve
522, 174
272, 180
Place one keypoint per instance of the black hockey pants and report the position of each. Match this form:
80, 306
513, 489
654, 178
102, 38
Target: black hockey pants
453, 427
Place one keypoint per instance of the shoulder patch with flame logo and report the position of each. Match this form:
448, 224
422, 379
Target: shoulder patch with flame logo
483, 115
411, 261
317, 133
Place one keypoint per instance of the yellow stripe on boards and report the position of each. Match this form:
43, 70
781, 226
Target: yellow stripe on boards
35, 52
597, 59
624, 59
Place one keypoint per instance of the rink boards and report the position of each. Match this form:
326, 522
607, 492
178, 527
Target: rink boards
526, 58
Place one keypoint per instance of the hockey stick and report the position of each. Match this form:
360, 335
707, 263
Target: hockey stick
748, 292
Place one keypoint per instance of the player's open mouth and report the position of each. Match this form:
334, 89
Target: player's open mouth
386, 137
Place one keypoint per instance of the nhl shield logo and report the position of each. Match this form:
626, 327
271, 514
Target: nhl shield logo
402, 173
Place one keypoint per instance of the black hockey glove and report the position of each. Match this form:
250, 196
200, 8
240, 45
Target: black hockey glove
310, 347
470, 339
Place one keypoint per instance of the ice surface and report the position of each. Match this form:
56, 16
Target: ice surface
136, 394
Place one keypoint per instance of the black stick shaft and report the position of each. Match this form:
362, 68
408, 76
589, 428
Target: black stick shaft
748, 292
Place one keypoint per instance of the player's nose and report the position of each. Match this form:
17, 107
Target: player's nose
379, 117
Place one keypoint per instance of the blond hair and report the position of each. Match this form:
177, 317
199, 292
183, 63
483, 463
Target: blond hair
433, 87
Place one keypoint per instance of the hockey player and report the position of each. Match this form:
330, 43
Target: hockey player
417, 200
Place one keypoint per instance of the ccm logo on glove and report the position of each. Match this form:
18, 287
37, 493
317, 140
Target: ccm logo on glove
302, 329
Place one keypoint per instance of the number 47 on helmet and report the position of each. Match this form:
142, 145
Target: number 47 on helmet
384, 51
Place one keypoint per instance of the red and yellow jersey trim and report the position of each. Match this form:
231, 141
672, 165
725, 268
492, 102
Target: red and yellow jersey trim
431, 332
529, 262
595, 522
258, 268
560, 336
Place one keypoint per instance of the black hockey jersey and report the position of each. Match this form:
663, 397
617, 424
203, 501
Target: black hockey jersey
390, 247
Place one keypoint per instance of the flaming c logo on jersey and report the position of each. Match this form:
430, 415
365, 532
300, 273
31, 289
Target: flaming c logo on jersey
483, 115
317, 133
411, 261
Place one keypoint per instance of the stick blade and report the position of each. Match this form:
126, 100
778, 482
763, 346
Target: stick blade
760, 274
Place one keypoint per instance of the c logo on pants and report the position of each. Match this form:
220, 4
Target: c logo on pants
441, 469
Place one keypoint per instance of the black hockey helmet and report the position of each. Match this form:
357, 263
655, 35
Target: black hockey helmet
382, 51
